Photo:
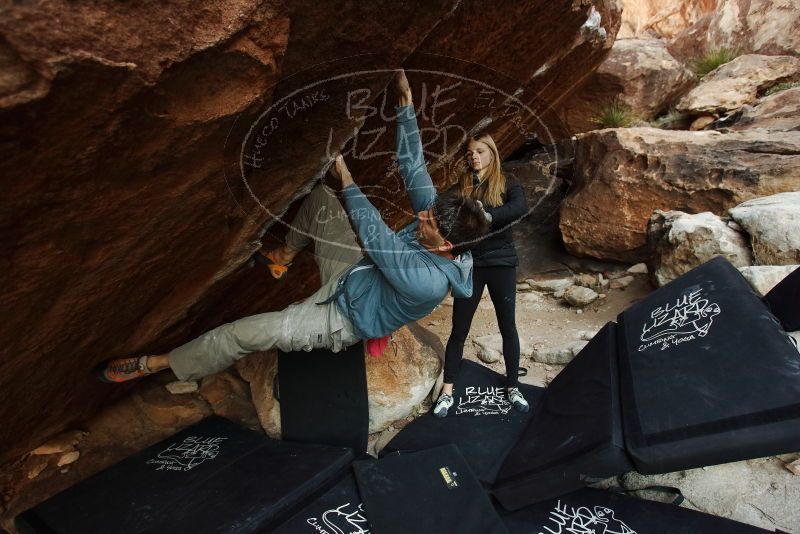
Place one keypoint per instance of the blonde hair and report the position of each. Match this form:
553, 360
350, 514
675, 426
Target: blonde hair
491, 189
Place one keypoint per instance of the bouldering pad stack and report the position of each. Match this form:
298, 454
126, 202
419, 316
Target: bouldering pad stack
707, 374
323, 397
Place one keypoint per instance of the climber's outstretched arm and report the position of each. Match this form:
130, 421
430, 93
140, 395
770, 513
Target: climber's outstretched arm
410, 158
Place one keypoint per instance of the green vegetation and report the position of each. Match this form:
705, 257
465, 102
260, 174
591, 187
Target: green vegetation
615, 114
672, 120
781, 87
711, 60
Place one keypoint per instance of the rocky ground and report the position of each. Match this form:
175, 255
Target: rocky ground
549, 327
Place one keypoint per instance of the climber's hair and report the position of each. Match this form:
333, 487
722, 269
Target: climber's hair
460, 220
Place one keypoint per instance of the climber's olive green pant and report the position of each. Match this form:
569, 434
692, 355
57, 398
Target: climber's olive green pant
301, 326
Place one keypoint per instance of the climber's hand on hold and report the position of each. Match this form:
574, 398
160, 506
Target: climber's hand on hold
403, 88
341, 171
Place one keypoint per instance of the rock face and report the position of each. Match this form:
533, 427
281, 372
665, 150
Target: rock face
679, 242
397, 381
127, 222
764, 277
640, 73
738, 82
661, 18
755, 26
541, 177
774, 226
779, 111
623, 175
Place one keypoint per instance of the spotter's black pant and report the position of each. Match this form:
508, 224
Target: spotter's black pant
502, 284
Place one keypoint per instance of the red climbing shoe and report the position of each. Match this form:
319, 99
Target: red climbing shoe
124, 369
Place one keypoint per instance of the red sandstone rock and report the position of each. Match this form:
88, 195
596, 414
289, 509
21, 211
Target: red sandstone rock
770, 27
127, 225
661, 18
640, 73
623, 175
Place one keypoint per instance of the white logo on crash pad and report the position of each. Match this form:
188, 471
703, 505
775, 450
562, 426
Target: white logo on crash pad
346, 519
188, 454
584, 520
483, 401
688, 317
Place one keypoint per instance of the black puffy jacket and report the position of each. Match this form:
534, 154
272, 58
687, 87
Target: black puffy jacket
497, 250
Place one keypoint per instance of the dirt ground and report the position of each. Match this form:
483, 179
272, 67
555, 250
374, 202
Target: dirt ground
545, 322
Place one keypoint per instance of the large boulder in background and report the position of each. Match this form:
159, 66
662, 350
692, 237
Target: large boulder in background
134, 192
773, 223
623, 175
397, 382
678, 242
738, 82
769, 27
536, 236
779, 111
661, 18
764, 277
639, 73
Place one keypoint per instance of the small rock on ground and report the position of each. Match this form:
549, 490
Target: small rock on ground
794, 466
580, 296
560, 354
179, 387
586, 280
639, 268
621, 283
490, 348
64, 442
550, 286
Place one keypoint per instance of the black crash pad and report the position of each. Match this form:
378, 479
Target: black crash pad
594, 511
428, 491
575, 436
707, 374
481, 422
214, 476
784, 301
323, 397
337, 511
